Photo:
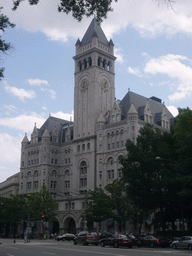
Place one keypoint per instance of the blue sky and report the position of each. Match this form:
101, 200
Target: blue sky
153, 46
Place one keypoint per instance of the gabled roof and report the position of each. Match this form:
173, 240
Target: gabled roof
94, 30
140, 102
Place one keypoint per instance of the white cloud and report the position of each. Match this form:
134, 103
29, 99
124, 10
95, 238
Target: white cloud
64, 116
119, 55
51, 92
24, 123
134, 71
55, 34
146, 16
37, 82
176, 67
9, 148
19, 93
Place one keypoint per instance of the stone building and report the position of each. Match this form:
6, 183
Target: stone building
71, 158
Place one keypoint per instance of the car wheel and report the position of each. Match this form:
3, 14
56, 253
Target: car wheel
96, 244
75, 243
190, 246
174, 246
152, 245
116, 245
102, 244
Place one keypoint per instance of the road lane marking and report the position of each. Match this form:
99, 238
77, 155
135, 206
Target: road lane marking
48, 253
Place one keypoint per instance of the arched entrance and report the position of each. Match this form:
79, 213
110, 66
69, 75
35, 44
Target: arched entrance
70, 226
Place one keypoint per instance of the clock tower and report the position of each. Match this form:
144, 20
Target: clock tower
94, 80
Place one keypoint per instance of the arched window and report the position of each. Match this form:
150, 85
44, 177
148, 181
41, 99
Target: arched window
110, 161
85, 63
108, 65
36, 173
99, 61
104, 63
66, 172
83, 168
54, 173
90, 61
80, 65
110, 169
29, 175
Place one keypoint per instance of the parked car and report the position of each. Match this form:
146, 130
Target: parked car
66, 236
117, 240
134, 239
154, 241
86, 238
183, 242
105, 235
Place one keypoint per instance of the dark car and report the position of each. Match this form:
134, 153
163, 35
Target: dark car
117, 240
183, 242
134, 239
105, 235
64, 237
86, 238
152, 241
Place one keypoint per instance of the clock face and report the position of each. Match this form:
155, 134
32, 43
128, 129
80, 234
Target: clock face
84, 84
105, 85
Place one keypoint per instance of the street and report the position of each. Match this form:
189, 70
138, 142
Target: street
67, 248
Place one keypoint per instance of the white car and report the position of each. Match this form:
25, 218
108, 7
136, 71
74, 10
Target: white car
183, 242
64, 237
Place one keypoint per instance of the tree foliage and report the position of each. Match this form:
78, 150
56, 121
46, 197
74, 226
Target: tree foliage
79, 8
148, 170
4, 47
20, 207
99, 206
182, 133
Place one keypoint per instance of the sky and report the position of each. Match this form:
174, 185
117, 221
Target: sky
153, 46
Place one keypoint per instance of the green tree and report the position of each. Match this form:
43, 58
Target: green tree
79, 8
43, 204
148, 171
4, 47
121, 210
182, 134
99, 206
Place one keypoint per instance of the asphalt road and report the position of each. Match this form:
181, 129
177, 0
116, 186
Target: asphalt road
67, 248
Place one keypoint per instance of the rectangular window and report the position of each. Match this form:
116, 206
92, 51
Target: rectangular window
53, 184
110, 174
67, 184
117, 144
35, 184
22, 163
69, 160
108, 146
55, 161
122, 143
119, 173
28, 185
113, 145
